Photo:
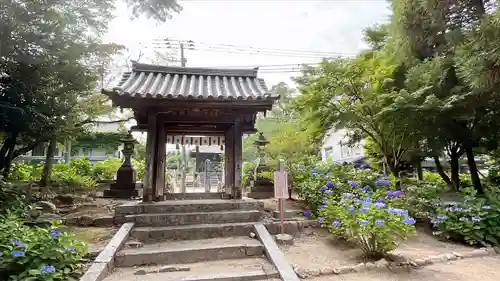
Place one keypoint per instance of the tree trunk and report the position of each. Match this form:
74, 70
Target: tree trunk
474, 173
440, 171
67, 151
6, 153
47, 167
455, 171
418, 168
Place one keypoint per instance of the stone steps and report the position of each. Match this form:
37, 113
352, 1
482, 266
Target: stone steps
190, 251
190, 232
185, 206
195, 195
170, 219
246, 269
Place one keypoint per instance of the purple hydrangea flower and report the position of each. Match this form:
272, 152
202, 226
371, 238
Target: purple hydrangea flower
1, 254
366, 166
330, 185
321, 220
70, 249
476, 218
379, 205
379, 222
336, 223
409, 220
17, 253
347, 195
307, 213
48, 269
383, 182
16, 242
366, 188
369, 193
367, 200
325, 202
364, 210
363, 222
351, 209
352, 183
322, 189
329, 192
357, 201
357, 165
380, 200
55, 233
394, 193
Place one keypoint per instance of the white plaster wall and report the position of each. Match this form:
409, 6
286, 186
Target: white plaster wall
333, 141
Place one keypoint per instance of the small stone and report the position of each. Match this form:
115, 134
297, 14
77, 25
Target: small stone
71, 221
421, 262
370, 266
434, 259
326, 271
86, 220
252, 235
174, 268
104, 221
443, 258
359, 268
301, 273
497, 250
476, 253
46, 207
314, 272
414, 264
429, 261
381, 263
141, 272
458, 255
284, 239
345, 269
450, 257
134, 244
47, 217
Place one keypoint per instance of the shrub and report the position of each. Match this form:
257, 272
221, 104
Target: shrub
248, 173
139, 169
475, 220
106, 170
366, 216
12, 199
35, 253
19, 171
419, 198
68, 176
82, 166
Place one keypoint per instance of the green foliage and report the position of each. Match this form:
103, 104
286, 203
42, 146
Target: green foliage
420, 197
139, 169
106, 170
247, 173
72, 178
35, 253
109, 141
368, 219
476, 220
12, 199
82, 166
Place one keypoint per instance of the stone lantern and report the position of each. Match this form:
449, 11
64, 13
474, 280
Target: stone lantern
262, 188
125, 185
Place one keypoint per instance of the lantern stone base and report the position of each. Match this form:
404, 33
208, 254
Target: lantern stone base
121, 193
125, 186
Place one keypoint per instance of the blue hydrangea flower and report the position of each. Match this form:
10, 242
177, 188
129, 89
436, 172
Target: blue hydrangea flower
366, 166
383, 182
17, 253
367, 200
322, 206
336, 223
435, 221
329, 192
394, 193
409, 220
16, 242
1, 254
48, 269
441, 217
330, 185
352, 183
351, 209
357, 201
55, 233
379, 205
70, 249
363, 222
321, 220
369, 193
364, 210
357, 165
366, 188
485, 207
322, 189
325, 202
307, 213
347, 195
379, 222
380, 200
476, 218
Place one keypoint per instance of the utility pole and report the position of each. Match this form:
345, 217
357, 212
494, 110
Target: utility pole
183, 147
183, 58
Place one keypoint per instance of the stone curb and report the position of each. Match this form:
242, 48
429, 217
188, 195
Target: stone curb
104, 262
406, 263
274, 254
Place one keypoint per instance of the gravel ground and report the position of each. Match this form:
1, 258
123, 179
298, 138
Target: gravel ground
318, 249
484, 269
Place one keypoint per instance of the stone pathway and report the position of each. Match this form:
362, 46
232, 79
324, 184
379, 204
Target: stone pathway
483, 269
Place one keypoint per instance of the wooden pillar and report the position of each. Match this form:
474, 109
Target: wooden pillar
150, 165
160, 163
229, 161
238, 160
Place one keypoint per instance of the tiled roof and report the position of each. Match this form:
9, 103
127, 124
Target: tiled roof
155, 81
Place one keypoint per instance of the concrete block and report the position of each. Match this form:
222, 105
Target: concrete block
96, 272
108, 253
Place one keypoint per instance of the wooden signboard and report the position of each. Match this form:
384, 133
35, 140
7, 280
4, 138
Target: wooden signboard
280, 185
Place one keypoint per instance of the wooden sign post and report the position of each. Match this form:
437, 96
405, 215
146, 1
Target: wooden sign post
281, 190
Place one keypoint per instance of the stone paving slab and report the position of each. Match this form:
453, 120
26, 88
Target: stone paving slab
253, 268
173, 252
190, 232
169, 219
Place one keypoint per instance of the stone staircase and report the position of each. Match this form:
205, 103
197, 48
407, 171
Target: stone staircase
195, 240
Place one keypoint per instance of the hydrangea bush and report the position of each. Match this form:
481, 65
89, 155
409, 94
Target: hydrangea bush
35, 253
364, 215
475, 220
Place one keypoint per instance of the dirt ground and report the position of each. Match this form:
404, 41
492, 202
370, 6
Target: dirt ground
318, 249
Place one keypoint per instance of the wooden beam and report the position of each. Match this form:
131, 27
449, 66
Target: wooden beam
238, 160
151, 145
228, 162
161, 155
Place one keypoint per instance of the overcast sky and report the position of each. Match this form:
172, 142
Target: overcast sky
328, 26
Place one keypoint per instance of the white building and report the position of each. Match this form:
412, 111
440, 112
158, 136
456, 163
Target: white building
93, 154
336, 148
